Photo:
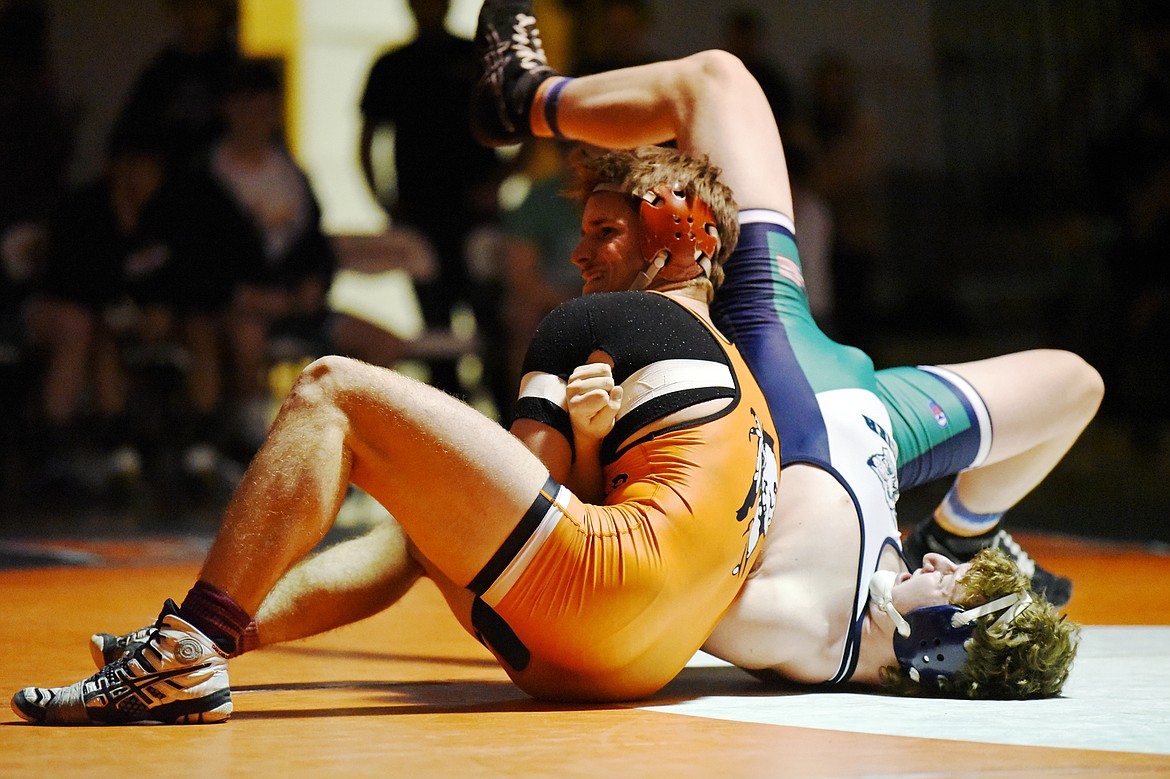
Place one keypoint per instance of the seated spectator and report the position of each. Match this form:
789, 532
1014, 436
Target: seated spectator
245, 231
104, 252
177, 95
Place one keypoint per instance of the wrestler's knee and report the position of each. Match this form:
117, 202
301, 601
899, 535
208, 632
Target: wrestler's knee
323, 382
1084, 387
1089, 384
1093, 386
717, 64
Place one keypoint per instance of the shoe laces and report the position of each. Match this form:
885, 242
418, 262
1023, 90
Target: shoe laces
139, 636
135, 642
116, 671
1024, 561
526, 42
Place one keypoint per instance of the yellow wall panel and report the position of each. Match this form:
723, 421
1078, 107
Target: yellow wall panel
269, 28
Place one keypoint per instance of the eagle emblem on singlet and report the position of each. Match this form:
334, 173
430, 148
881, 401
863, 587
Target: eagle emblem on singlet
759, 505
884, 463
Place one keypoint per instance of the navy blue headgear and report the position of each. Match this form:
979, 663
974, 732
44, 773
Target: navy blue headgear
931, 642
935, 647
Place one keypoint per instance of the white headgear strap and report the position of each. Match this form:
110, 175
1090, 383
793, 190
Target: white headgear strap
1013, 605
881, 591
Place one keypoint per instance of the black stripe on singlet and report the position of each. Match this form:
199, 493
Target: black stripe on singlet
516, 539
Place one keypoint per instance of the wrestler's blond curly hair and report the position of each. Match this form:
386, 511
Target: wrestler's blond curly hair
1030, 657
643, 168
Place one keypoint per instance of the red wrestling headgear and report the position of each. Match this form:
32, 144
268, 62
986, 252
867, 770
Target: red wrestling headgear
679, 236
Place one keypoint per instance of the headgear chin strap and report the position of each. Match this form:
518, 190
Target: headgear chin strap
881, 592
647, 274
679, 236
931, 642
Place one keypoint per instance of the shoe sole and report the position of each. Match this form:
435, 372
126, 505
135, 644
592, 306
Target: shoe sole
221, 710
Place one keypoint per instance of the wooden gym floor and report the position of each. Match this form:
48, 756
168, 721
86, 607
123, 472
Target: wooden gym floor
407, 693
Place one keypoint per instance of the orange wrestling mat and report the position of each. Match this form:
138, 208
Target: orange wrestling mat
407, 693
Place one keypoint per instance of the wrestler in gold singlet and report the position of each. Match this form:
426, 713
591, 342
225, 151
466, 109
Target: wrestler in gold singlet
610, 601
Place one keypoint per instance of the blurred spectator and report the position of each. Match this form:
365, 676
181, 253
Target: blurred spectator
443, 183
613, 34
104, 254
177, 96
540, 236
846, 158
744, 34
245, 232
35, 150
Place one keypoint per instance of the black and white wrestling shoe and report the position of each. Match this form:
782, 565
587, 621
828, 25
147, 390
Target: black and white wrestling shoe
175, 676
513, 65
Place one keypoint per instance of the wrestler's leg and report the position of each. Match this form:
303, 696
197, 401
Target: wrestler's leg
708, 102
343, 584
455, 481
1039, 402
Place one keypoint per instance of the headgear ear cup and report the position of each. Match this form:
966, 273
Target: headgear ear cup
683, 226
935, 646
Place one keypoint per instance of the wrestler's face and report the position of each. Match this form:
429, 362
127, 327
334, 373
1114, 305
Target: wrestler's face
936, 583
609, 253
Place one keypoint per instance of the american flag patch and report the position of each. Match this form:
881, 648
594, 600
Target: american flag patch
940, 416
789, 270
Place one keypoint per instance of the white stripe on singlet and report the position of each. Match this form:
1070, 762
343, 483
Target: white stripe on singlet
544, 385
753, 215
515, 569
655, 380
667, 376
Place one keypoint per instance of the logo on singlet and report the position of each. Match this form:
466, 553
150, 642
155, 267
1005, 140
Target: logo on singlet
884, 464
760, 502
940, 416
881, 433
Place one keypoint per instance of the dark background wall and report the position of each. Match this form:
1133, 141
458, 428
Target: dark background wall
1004, 224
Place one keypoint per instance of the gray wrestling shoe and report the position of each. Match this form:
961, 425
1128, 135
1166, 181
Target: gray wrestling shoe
176, 676
927, 536
513, 65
